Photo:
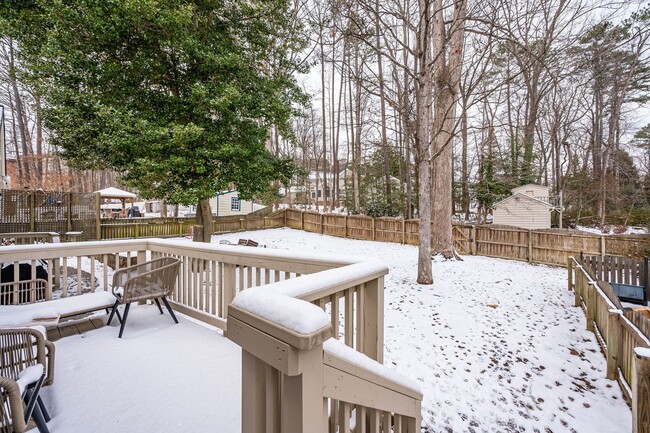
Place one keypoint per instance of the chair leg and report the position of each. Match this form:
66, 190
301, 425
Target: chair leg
110, 317
41, 405
126, 313
169, 308
158, 304
40, 419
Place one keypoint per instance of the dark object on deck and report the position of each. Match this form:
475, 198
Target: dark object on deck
247, 243
150, 280
24, 274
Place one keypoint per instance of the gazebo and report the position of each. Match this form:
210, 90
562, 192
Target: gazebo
116, 193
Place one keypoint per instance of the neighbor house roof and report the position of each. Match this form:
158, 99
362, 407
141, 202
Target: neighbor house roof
522, 196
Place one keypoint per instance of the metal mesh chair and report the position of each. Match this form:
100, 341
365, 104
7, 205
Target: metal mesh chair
150, 280
20, 350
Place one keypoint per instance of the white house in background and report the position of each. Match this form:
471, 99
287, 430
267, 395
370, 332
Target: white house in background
229, 203
529, 207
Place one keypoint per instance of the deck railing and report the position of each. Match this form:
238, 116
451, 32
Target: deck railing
290, 382
622, 333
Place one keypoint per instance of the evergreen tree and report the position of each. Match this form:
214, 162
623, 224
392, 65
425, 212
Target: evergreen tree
177, 95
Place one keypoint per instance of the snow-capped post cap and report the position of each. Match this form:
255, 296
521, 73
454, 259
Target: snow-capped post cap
298, 323
615, 311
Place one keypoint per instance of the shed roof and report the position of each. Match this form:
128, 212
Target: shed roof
112, 192
525, 197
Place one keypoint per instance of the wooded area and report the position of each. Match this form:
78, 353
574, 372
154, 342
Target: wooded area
408, 108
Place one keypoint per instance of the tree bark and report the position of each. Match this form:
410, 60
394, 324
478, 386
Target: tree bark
204, 219
423, 101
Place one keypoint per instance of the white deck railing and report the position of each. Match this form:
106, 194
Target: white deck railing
290, 383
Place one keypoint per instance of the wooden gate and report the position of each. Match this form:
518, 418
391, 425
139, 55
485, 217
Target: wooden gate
461, 236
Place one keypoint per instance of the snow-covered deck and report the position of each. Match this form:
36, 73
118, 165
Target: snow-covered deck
160, 377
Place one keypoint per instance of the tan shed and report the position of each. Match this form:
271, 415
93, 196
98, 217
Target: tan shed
522, 210
228, 203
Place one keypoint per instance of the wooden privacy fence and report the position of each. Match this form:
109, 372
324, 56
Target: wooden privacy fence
549, 246
174, 227
623, 334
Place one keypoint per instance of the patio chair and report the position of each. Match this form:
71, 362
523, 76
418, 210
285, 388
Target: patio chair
26, 364
150, 280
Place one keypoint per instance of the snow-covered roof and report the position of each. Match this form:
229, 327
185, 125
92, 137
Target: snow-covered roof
520, 195
114, 192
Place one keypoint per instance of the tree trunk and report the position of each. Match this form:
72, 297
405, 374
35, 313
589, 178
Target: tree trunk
423, 96
204, 220
446, 81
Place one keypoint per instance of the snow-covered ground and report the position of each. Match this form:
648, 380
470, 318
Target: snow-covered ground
495, 345
526, 365
612, 230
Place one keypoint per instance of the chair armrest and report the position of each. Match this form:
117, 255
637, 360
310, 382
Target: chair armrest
10, 393
49, 371
18, 345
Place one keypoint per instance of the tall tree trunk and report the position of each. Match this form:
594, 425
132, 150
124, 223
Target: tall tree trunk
324, 123
446, 82
382, 106
423, 101
203, 218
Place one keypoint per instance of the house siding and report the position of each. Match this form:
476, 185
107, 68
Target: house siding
522, 213
538, 190
221, 205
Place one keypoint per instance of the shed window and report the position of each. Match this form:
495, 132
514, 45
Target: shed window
235, 204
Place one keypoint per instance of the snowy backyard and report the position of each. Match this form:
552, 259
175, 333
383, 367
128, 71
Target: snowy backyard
496, 346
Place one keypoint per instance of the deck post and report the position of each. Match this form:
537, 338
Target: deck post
282, 374
641, 391
373, 326
569, 266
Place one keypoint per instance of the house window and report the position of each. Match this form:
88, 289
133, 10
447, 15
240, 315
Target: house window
235, 204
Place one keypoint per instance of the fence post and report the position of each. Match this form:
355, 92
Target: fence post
98, 222
302, 220
32, 211
577, 292
322, 223
473, 240
264, 223
404, 231
602, 245
241, 224
346, 225
374, 232
590, 303
613, 338
569, 266
530, 246
69, 211
641, 391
